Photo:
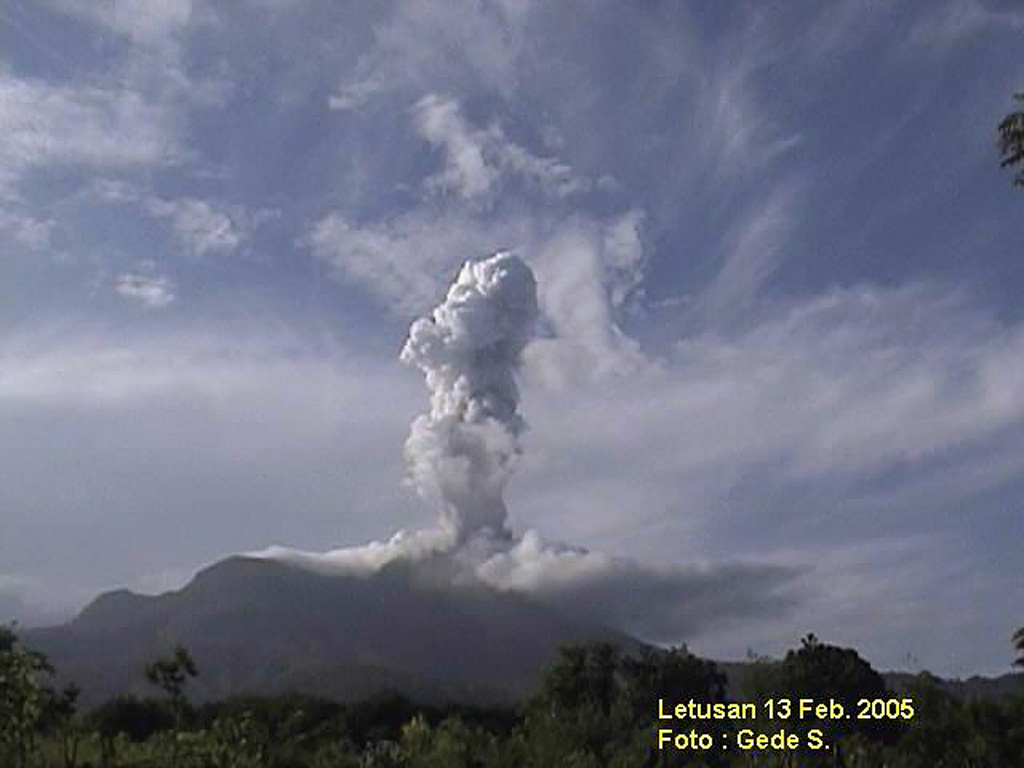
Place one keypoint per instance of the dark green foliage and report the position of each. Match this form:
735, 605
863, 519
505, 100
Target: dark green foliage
59, 707
820, 671
8, 639
1011, 140
23, 698
380, 718
284, 717
671, 675
172, 674
596, 707
136, 718
60, 720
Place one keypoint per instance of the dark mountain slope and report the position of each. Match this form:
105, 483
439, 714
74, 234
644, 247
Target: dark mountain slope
261, 626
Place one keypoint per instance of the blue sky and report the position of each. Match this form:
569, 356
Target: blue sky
778, 266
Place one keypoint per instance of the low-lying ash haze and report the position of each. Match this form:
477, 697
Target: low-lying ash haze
716, 304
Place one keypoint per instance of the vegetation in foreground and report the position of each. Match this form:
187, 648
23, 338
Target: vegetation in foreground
594, 708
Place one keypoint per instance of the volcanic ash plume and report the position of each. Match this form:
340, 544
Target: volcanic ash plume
460, 456
462, 452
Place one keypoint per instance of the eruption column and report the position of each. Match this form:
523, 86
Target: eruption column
462, 452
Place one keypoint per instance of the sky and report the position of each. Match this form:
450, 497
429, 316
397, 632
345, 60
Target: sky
778, 271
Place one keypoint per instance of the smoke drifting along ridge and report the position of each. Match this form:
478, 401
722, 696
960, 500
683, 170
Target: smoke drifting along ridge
461, 455
462, 452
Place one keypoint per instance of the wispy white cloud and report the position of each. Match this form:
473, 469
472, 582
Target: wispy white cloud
202, 227
954, 21
404, 261
354, 95
467, 171
26, 230
85, 126
420, 45
151, 292
478, 160
827, 395
854, 417
586, 271
751, 253
730, 125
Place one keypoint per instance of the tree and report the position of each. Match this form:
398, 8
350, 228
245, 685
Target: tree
171, 675
583, 675
22, 697
136, 718
673, 675
237, 742
1011, 140
128, 717
597, 706
821, 672
937, 734
60, 716
451, 744
572, 716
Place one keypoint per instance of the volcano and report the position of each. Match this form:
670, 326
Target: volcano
265, 627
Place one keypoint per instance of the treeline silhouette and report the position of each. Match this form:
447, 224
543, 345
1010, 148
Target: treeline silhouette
594, 707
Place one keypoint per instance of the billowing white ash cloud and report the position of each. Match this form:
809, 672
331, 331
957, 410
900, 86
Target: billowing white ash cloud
462, 452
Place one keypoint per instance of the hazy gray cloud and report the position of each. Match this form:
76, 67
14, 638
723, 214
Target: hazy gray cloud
249, 439
12, 605
27, 604
668, 603
147, 22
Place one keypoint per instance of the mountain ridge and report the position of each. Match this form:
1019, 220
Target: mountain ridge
262, 626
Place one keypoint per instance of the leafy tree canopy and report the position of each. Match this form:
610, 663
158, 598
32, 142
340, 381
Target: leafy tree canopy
1011, 140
